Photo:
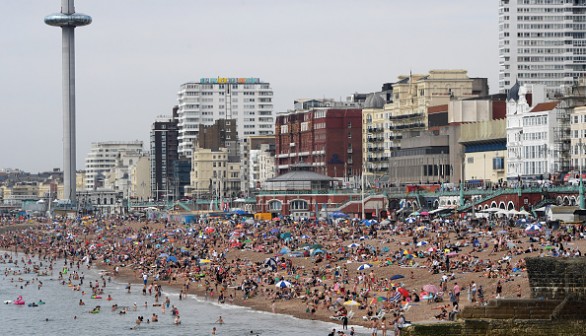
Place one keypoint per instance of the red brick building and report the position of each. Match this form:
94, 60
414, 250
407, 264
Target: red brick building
326, 140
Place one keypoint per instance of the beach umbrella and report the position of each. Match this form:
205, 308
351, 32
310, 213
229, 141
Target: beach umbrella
249, 221
424, 213
353, 245
305, 236
351, 303
276, 219
367, 222
397, 276
421, 243
172, 258
403, 291
410, 220
549, 247
533, 227
163, 255
283, 284
338, 214
381, 298
415, 213
209, 229
431, 288
204, 261
363, 267
316, 246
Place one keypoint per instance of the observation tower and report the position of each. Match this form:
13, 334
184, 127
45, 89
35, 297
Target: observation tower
68, 19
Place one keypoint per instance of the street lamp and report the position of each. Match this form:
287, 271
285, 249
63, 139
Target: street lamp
581, 185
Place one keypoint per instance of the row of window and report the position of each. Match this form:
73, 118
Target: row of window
535, 121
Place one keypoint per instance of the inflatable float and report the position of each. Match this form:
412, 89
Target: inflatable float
7, 301
19, 301
96, 297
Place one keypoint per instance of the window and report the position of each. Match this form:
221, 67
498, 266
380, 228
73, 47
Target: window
498, 163
470, 160
275, 206
298, 205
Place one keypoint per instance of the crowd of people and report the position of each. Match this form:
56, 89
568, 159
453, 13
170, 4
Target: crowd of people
378, 274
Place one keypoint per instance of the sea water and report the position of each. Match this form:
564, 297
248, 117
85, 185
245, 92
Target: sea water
62, 314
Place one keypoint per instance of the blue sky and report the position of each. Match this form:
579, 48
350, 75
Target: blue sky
133, 57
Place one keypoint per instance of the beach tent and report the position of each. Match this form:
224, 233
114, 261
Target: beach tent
316, 251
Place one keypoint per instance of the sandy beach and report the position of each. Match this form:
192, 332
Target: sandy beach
210, 260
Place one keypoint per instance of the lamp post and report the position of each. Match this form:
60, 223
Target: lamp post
362, 189
581, 184
462, 202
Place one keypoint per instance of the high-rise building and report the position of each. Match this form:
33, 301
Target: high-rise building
248, 100
103, 156
541, 42
164, 155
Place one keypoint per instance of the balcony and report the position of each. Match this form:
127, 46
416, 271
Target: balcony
375, 139
395, 137
375, 129
375, 149
405, 116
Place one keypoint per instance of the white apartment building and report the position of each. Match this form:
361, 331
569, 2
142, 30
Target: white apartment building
248, 100
533, 147
541, 42
104, 156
